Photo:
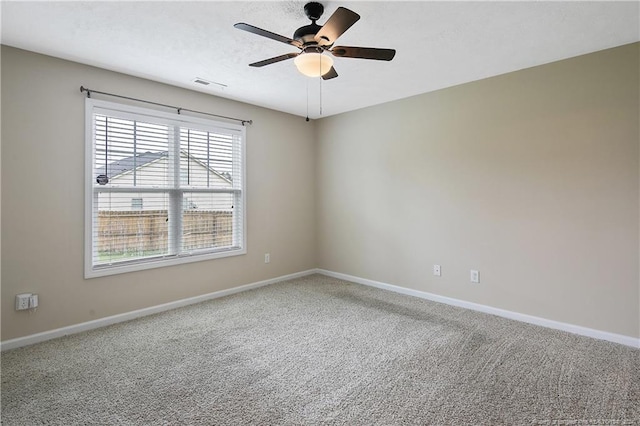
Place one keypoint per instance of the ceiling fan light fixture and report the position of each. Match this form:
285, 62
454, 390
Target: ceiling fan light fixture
313, 40
313, 64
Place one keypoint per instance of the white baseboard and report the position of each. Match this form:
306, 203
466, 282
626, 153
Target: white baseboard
575, 329
102, 322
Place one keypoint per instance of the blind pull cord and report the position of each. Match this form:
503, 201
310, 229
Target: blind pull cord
103, 179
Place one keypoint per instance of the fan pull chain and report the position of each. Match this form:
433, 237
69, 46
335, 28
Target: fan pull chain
320, 72
307, 80
320, 95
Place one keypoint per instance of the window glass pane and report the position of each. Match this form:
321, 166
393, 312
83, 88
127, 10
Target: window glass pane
131, 153
130, 226
206, 159
207, 221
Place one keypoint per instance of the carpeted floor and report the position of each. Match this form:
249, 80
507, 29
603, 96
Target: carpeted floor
317, 350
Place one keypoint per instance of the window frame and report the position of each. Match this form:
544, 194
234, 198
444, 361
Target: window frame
103, 107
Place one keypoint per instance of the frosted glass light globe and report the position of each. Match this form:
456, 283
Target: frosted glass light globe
313, 64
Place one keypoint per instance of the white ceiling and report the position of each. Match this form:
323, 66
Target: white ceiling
439, 44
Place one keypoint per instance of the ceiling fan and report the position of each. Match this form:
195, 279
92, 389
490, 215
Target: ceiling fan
313, 40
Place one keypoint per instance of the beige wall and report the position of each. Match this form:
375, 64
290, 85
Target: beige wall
43, 198
530, 177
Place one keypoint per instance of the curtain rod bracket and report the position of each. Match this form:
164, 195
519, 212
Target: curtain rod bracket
179, 109
82, 89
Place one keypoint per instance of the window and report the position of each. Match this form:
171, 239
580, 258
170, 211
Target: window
161, 189
136, 204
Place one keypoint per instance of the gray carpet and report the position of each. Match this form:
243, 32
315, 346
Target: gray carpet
317, 350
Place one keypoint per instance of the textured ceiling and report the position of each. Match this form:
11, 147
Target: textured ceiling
439, 44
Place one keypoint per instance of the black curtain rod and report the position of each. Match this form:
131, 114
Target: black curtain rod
179, 109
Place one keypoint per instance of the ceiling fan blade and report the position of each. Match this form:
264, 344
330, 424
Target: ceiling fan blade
363, 53
274, 60
341, 20
268, 34
330, 74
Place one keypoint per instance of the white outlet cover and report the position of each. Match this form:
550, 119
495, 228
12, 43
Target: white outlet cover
436, 270
475, 276
22, 301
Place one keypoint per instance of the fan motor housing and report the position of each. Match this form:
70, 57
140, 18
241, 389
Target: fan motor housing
306, 34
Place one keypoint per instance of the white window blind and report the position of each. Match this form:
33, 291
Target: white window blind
161, 189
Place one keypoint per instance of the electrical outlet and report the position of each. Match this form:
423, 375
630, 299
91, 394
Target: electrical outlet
436, 270
267, 258
475, 276
22, 301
